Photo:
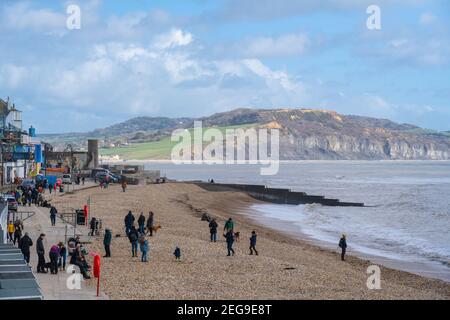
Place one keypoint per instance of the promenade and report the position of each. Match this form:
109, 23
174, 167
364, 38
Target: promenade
54, 287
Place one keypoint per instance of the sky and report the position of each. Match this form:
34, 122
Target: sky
193, 58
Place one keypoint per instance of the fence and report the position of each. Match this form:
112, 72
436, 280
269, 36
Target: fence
3, 223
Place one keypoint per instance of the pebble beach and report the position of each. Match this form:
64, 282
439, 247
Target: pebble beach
286, 268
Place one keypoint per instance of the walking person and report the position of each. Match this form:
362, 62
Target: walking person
133, 237
62, 256
150, 223
129, 220
93, 225
141, 223
107, 243
53, 213
144, 250
124, 185
82, 181
17, 234
343, 246
29, 197
253, 243
18, 225
50, 188
54, 256
24, 245
40, 250
213, 230
177, 253
230, 240
229, 225
11, 230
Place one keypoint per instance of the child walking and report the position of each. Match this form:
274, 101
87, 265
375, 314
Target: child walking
253, 243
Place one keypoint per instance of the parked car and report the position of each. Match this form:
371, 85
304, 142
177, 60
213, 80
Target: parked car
66, 178
12, 203
101, 176
28, 183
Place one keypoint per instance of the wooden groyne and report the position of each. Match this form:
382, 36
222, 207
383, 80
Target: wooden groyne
276, 195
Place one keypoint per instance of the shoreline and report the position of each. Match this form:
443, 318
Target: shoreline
242, 211
433, 271
165, 161
286, 268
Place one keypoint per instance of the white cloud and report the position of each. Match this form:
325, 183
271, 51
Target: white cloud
175, 38
284, 45
427, 18
12, 76
22, 16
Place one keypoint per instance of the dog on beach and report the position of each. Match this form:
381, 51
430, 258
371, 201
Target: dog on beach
236, 236
154, 229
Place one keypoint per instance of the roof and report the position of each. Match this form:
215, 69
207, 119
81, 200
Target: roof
17, 281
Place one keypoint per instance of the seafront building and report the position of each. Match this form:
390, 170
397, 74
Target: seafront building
20, 150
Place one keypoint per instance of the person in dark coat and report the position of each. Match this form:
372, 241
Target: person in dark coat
93, 225
107, 243
177, 253
141, 223
40, 250
343, 246
253, 243
53, 213
230, 240
129, 220
62, 256
213, 230
18, 227
150, 223
133, 236
24, 245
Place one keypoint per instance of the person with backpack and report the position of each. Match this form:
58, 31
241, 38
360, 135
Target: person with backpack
133, 236
213, 230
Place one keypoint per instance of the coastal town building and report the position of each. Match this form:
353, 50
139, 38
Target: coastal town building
17, 146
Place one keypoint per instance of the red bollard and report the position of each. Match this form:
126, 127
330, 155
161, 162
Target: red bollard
97, 272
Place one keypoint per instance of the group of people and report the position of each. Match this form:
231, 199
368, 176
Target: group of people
137, 237
231, 236
15, 231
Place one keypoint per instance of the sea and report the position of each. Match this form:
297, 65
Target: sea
406, 227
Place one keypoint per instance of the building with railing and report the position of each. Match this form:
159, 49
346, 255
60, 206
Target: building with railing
17, 146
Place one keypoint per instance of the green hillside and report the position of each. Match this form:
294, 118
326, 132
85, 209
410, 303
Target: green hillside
156, 150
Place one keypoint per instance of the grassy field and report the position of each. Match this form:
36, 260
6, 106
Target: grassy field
157, 150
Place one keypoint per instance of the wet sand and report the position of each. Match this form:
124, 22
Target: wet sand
287, 268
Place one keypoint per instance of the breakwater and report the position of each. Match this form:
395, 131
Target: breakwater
276, 195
